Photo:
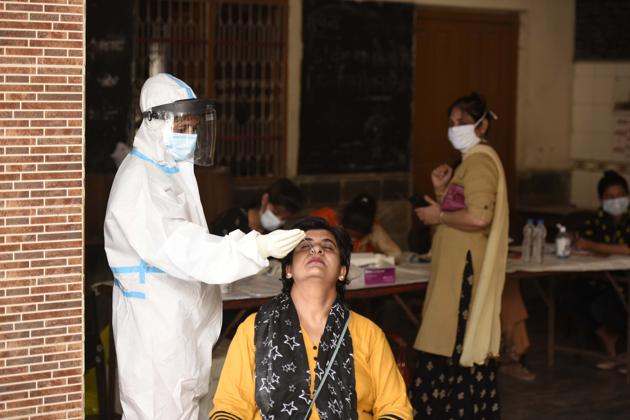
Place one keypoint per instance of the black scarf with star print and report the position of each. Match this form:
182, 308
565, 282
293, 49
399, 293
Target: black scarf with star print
282, 375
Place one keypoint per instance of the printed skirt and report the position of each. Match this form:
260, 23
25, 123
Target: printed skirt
443, 389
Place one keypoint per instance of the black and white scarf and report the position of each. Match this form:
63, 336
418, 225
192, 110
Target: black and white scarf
282, 375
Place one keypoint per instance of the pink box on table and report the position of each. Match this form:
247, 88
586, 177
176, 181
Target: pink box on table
379, 275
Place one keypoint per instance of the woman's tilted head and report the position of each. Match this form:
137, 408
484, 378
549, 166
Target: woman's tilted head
324, 253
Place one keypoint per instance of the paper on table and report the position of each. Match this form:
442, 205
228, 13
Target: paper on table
363, 259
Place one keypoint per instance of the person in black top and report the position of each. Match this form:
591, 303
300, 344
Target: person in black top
606, 232
282, 200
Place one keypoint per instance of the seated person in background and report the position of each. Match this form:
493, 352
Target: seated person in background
607, 232
282, 200
279, 358
357, 218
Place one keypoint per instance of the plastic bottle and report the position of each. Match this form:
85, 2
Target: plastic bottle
526, 246
563, 242
538, 242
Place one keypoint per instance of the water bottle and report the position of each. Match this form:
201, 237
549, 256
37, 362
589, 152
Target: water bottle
563, 242
538, 242
526, 247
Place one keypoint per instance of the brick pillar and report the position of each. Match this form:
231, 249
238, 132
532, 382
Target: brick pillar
41, 208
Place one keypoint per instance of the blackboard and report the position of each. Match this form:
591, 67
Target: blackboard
602, 30
109, 34
355, 106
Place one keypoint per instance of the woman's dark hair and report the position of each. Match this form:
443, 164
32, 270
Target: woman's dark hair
473, 105
285, 193
344, 244
610, 179
359, 214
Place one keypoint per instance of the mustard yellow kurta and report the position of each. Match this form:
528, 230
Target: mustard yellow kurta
482, 179
381, 391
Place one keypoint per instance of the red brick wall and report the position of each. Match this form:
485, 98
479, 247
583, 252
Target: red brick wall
41, 208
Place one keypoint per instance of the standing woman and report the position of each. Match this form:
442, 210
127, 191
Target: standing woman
458, 341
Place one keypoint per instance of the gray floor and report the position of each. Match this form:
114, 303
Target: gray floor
573, 389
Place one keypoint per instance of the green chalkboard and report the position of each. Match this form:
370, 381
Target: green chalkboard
109, 30
355, 113
601, 30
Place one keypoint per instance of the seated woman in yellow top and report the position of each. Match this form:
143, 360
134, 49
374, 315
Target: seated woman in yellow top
358, 219
306, 344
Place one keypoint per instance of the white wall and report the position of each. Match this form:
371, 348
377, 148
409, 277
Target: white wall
545, 73
598, 87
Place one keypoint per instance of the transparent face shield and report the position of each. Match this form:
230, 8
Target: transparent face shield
191, 118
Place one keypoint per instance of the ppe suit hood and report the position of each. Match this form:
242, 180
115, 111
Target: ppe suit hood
159, 90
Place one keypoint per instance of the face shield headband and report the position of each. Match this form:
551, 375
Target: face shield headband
190, 118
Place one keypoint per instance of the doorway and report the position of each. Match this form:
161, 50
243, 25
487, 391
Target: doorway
457, 52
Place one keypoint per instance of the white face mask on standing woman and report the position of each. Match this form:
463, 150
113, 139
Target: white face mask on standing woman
616, 206
463, 137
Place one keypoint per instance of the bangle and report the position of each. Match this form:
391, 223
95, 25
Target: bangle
441, 218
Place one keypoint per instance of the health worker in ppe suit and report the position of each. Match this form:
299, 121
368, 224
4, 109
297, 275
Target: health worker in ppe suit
166, 266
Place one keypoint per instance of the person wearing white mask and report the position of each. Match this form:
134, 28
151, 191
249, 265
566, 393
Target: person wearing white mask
607, 232
458, 341
167, 309
281, 201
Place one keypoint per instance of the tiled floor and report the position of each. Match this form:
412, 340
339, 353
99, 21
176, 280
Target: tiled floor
573, 389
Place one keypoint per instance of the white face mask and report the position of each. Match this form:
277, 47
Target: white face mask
463, 137
616, 206
180, 145
270, 221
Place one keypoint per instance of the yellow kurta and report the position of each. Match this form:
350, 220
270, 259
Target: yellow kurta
482, 178
381, 391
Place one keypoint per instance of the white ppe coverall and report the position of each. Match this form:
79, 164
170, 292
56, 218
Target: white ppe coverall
166, 304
